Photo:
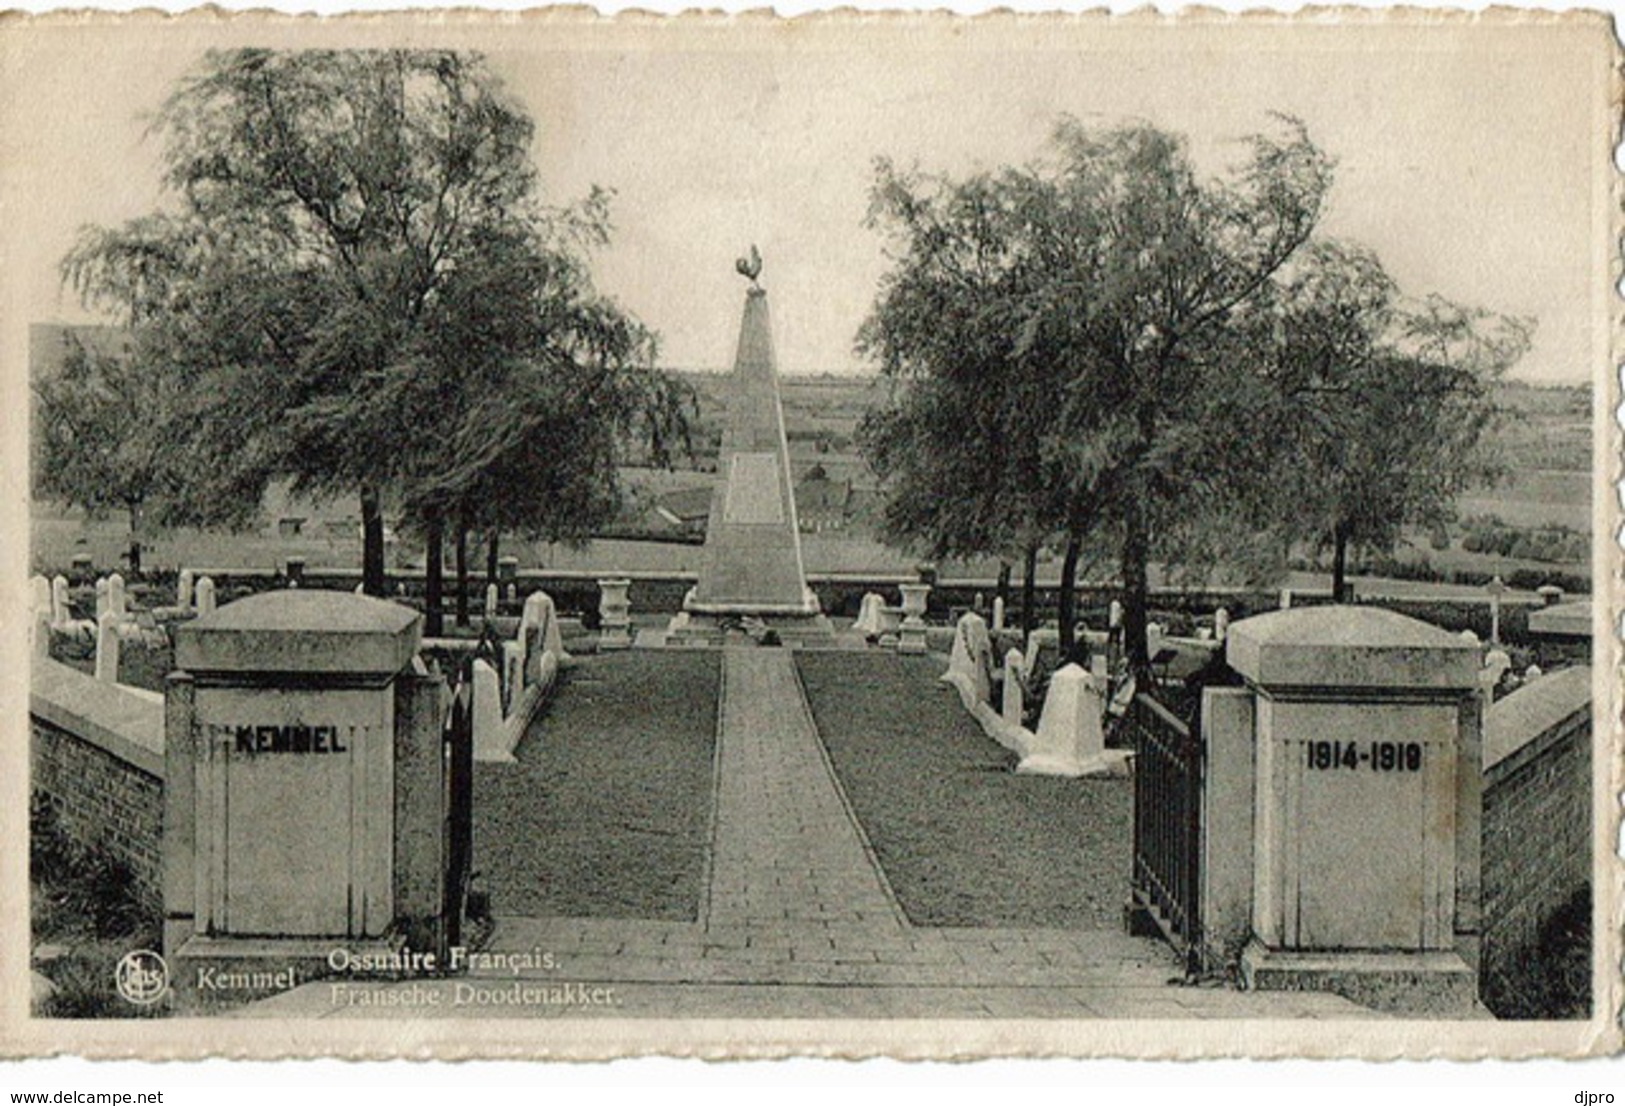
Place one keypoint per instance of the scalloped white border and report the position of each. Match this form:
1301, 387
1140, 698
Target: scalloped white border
175, 1038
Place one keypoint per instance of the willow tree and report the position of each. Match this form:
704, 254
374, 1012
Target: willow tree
102, 442
1383, 403
315, 279
956, 439
1125, 326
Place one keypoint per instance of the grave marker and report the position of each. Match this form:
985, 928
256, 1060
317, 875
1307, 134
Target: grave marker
1013, 705
1496, 589
107, 647
61, 609
205, 596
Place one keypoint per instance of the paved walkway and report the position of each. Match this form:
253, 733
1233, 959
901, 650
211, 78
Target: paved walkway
799, 922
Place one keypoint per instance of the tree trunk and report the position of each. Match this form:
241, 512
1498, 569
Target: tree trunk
1136, 552
434, 623
372, 542
492, 547
1069, 596
1340, 560
1002, 591
462, 571
135, 540
1029, 593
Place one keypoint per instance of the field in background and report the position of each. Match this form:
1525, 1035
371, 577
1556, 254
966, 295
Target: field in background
1545, 440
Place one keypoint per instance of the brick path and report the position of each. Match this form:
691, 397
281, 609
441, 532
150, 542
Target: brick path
799, 922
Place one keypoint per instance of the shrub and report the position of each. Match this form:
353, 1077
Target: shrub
1552, 979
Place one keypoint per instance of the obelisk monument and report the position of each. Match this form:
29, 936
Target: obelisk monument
752, 565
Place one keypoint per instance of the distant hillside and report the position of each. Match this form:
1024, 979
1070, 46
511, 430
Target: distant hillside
1543, 428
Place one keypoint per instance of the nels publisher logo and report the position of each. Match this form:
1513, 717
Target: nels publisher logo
142, 977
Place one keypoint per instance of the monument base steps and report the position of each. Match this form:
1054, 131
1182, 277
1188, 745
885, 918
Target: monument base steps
1436, 984
208, 973
693, 628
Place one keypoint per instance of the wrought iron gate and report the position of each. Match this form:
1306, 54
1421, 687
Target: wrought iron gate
457, 749
1167, 876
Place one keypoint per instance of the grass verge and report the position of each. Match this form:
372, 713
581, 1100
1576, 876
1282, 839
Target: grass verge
86, 907
607, 812
963, 840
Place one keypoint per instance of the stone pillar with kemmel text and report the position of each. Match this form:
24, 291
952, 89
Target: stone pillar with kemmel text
288, 721
1366, 805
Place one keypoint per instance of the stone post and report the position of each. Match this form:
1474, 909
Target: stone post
183, 590
492, 600
1366, 802
280, 813
205, 596
101, 597
40, 632
39, 595
615, 614
1014, 705
61, 609
115, 595
1286, 599
911, 633
1221, 624
1496, 588
998, 613
107, 645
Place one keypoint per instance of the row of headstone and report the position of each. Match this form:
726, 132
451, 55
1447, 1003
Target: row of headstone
52, 613
1070, 740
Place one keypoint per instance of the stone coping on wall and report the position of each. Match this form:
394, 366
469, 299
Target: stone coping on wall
1534, 710
1565, 619
116, 719
1047, 583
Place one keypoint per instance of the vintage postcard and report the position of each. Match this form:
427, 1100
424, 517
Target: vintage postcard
551, 535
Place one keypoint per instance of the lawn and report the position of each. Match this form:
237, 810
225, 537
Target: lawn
607, 812
962, 839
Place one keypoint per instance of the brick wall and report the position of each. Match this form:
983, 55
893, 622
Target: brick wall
96, 756
100, 799
1537, 827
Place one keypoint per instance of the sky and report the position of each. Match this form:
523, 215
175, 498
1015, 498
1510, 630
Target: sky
1466, 157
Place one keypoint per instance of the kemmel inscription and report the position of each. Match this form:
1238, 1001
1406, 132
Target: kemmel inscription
253, 740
